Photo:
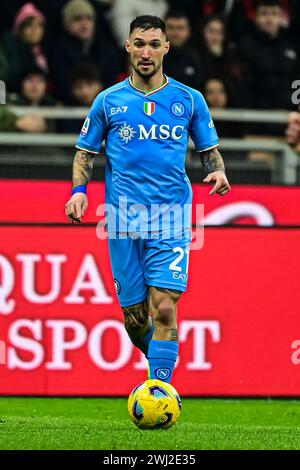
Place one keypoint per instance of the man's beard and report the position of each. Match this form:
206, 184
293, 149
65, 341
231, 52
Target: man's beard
146, 76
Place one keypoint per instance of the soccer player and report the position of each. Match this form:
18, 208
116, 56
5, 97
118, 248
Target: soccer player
146, 121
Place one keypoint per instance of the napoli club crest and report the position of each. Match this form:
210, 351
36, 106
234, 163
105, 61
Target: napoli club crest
163, 373
177, 109
117, 286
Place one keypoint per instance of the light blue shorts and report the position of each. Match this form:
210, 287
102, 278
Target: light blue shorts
141, 262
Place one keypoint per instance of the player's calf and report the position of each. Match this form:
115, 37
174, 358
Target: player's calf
163, 305
163, 348
139, 325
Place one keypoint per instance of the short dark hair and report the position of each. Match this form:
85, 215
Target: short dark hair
178, 14
34, 70
146, 22
268, 3
85, 71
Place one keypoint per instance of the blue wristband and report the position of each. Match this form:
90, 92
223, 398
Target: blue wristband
79, 189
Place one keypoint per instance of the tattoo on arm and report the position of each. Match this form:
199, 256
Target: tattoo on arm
82, 167
212, 161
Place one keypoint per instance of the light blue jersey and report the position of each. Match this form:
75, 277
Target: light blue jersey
146, 138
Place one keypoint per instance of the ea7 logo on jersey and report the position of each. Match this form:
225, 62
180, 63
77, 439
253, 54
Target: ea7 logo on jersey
118, 109
85, 127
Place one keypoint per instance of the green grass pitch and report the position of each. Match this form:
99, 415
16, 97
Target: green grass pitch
103, 423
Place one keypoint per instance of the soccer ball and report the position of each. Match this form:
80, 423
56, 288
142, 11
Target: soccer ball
154, 405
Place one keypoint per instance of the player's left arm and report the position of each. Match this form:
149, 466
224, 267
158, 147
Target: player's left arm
214, 169
205, 138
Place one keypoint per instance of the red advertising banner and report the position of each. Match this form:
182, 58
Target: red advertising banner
62, 333
43, 201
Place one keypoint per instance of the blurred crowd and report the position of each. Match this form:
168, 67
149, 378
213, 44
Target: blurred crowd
238, 53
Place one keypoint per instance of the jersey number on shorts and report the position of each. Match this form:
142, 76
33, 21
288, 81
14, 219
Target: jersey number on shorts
174, 265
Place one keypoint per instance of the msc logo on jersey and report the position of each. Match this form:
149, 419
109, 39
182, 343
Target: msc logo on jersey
177, 109
126, 132
149, 108
162, 132
154, 132
211, 124
85, 127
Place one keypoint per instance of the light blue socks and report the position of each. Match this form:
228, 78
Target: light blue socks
162, 356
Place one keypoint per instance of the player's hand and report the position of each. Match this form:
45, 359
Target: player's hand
31, 123
221, 186
76, 207
293, 130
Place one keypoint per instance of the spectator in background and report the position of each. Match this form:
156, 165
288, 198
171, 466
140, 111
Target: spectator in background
79, 44
49, 8
33, 90
86, 84
293, 31
218, 57
181, 62
192, 8
219, 95
23, 47
269, 62
4, 67
241, 17
10, 122
124, 11
237, 13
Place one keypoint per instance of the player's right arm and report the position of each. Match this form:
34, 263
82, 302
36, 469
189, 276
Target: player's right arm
83, 163
89, 145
